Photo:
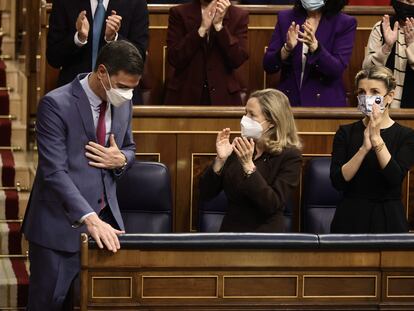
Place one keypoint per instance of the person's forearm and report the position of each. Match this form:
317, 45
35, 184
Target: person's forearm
284, 53
381, 151
350, 168
218, 165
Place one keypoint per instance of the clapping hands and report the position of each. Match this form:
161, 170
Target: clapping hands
223, 147
292, 36
113, 24
409, 30
242, 146
207, 17
244, 149
308, 36
82, 26
390, 34
372, 132
221, 10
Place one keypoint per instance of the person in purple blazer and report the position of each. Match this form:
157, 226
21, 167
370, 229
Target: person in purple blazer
311, 46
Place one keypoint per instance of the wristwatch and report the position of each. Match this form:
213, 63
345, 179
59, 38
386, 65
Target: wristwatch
250, 172
125, 163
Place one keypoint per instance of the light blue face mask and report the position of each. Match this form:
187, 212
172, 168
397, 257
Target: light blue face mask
312, 5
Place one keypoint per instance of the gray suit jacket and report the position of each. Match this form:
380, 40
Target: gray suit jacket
66, 187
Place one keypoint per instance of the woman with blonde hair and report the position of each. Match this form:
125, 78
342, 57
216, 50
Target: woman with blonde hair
370, 159
259, 170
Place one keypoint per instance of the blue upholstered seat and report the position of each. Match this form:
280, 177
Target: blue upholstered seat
144, 196
319, 198
211, 213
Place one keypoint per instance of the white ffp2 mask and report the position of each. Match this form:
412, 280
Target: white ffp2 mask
250, 128
117, 96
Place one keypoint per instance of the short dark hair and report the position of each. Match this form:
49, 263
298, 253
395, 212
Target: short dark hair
120, 55
331, 7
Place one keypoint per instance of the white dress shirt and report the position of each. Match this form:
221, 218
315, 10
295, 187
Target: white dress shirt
305, 50
95, 102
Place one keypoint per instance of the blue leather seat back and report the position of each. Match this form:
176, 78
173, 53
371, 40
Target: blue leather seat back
211, 213
319, 197
144, 196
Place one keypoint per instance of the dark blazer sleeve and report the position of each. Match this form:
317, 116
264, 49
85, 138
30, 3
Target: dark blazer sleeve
181, 46
270, 198
128, 147
53, 164
210, 184
234, 45
333, 63
339, 158
61, 46
138, 29
398, 166
272, 61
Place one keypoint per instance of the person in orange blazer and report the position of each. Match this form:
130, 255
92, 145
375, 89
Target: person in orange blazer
206, 43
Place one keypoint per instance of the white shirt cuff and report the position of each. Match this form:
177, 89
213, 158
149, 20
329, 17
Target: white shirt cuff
77, 41
84, 217
115, 39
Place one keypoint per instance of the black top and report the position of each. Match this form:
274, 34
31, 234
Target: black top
372, 198
255, 203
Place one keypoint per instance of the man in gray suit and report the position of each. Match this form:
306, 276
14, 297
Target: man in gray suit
85, 143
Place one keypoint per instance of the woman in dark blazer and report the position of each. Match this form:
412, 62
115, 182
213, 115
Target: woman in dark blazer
259, 170
311, 46
206, 43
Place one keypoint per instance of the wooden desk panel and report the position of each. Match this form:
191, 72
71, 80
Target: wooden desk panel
245, 279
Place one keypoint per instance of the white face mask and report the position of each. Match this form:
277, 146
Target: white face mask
312, 5
365, 103
117, 96
251, 128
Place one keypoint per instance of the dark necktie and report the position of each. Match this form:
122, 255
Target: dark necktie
101, 127
98, 20
100, 135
